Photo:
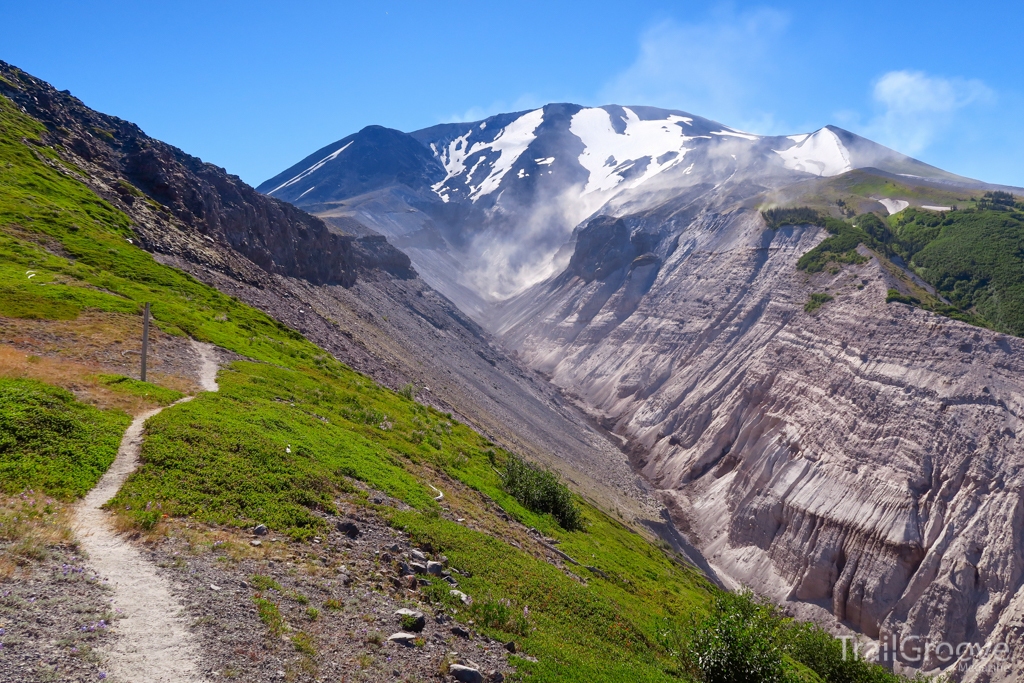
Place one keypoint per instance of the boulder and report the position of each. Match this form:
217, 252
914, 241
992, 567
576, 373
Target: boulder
465, 674
349, 529
403, 638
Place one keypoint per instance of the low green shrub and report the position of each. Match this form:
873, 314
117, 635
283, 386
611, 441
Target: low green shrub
501, 615
777, 218
893, 295
541, 491
270, 615
265, 583
816, 301
50, 442
739, 641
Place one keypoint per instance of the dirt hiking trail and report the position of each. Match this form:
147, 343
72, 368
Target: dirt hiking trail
153, 643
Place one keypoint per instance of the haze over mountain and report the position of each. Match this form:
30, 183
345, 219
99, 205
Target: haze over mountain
820, 440
483, 209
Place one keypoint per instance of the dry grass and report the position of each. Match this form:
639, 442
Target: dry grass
230, 544
78, 378
31, 523
98, 342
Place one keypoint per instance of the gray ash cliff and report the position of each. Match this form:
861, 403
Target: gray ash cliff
861, 463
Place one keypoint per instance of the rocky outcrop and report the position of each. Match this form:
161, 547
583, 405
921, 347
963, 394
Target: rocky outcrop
861, 463
202, 199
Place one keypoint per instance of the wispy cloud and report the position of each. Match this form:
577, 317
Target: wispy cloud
477, 113
716, 68
913, 107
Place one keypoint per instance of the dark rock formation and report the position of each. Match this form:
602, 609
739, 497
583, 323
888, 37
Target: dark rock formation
204, 198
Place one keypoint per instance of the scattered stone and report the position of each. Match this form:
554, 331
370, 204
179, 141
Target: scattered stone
243, 584
511, 646
496, 677
435, 568
349, 529
214, 587
403, 638
418, 567
465, 674
466, 600
260, 530
385, 557
417, 555
452, 582
460, 632
411, 619
255, 543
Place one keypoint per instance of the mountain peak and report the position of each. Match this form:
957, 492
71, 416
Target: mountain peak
501, 196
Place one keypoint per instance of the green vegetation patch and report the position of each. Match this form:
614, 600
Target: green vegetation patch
50, 442
841, 246
973, 257
604, 630
270, 615
816, 301
541, 491
134, 387
742, 639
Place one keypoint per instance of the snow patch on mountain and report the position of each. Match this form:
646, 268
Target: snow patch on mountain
312, 169
893, 205
735, 134
821, 153
642, 150
509, 144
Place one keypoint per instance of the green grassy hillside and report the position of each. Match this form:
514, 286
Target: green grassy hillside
974, 257
51, 442
291, 430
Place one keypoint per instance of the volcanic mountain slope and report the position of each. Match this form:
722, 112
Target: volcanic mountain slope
856, 458
484, 209
356, 297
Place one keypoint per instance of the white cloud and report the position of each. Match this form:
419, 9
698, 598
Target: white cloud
477, 113
715, 69
915, 107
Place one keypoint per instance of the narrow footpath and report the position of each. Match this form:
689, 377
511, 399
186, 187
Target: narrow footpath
153, 643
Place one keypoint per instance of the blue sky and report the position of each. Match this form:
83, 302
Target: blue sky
256, 86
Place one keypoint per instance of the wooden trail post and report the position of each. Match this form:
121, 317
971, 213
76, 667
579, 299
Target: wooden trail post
145, 339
